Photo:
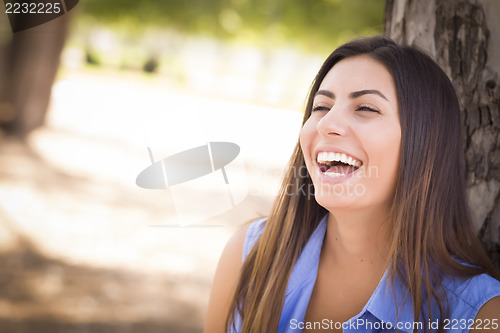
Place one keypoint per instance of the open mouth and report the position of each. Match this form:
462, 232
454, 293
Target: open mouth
337, 164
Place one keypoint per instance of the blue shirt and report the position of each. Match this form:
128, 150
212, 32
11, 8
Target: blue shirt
465, 297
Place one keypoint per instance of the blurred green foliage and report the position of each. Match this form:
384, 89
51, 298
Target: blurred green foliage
308, 23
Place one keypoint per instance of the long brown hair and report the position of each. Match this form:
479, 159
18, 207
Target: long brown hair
431, 229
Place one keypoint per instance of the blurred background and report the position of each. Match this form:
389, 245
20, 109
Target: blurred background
83, 97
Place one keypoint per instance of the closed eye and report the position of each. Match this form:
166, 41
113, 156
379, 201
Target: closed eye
367, 108
320, 108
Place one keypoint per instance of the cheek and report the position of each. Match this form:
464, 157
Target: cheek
392, 151
384, 159
306, 137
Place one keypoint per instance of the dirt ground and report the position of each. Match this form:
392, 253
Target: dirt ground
46, 290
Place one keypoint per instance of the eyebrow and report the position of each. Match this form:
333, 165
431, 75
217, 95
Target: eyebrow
353, 95
326, 93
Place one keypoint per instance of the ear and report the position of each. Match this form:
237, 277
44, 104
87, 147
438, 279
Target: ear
488, 317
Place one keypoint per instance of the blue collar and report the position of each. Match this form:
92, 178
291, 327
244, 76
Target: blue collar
382, 303
386, 299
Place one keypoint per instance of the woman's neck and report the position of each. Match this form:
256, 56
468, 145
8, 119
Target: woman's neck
357, 238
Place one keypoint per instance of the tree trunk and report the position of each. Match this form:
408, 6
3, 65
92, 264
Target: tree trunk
29, 60
464, 38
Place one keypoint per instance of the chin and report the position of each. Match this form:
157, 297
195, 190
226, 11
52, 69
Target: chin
333, 201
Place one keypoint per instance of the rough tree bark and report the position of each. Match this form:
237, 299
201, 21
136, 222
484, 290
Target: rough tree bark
464, 37
29, 61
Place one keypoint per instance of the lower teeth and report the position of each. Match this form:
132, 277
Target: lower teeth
333, 174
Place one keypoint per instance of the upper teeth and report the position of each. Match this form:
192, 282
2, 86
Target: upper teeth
325, 157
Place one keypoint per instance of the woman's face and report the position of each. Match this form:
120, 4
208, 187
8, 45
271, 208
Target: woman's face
352, 139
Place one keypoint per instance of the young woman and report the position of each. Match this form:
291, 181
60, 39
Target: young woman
376, 235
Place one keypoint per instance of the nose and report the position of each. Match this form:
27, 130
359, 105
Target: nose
333, 123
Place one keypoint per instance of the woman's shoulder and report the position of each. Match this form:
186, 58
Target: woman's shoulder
467, 296
241, 242
253, 233
226, 278
236, 246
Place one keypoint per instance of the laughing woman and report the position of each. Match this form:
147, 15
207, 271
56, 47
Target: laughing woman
376, 236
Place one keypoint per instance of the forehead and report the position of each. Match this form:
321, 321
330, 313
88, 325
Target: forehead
359, 73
